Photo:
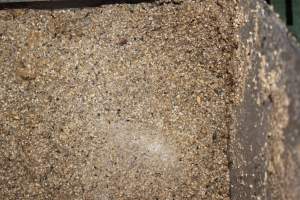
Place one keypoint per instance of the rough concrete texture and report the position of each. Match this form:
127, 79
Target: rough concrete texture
165, 100
116, 102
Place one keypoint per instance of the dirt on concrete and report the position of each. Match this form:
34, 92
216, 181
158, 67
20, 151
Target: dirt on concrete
265, 130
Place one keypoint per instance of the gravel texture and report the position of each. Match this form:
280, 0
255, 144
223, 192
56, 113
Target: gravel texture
122, 101
160, 100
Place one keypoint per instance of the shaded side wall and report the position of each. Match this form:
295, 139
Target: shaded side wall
265, 145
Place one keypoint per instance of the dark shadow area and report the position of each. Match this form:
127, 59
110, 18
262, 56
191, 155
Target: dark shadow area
289, 12
63, 4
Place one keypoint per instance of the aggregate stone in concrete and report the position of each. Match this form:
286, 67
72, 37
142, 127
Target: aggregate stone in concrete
120, 101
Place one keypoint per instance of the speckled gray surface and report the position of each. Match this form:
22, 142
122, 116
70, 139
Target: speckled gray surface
117, 102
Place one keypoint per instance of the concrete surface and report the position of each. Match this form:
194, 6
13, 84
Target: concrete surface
123, 101
265, 139
169, 99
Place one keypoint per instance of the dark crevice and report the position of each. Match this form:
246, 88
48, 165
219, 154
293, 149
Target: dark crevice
289, 12
175, 2
63, 4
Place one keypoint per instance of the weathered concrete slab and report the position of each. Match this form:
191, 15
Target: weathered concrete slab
117, 102
162, 100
